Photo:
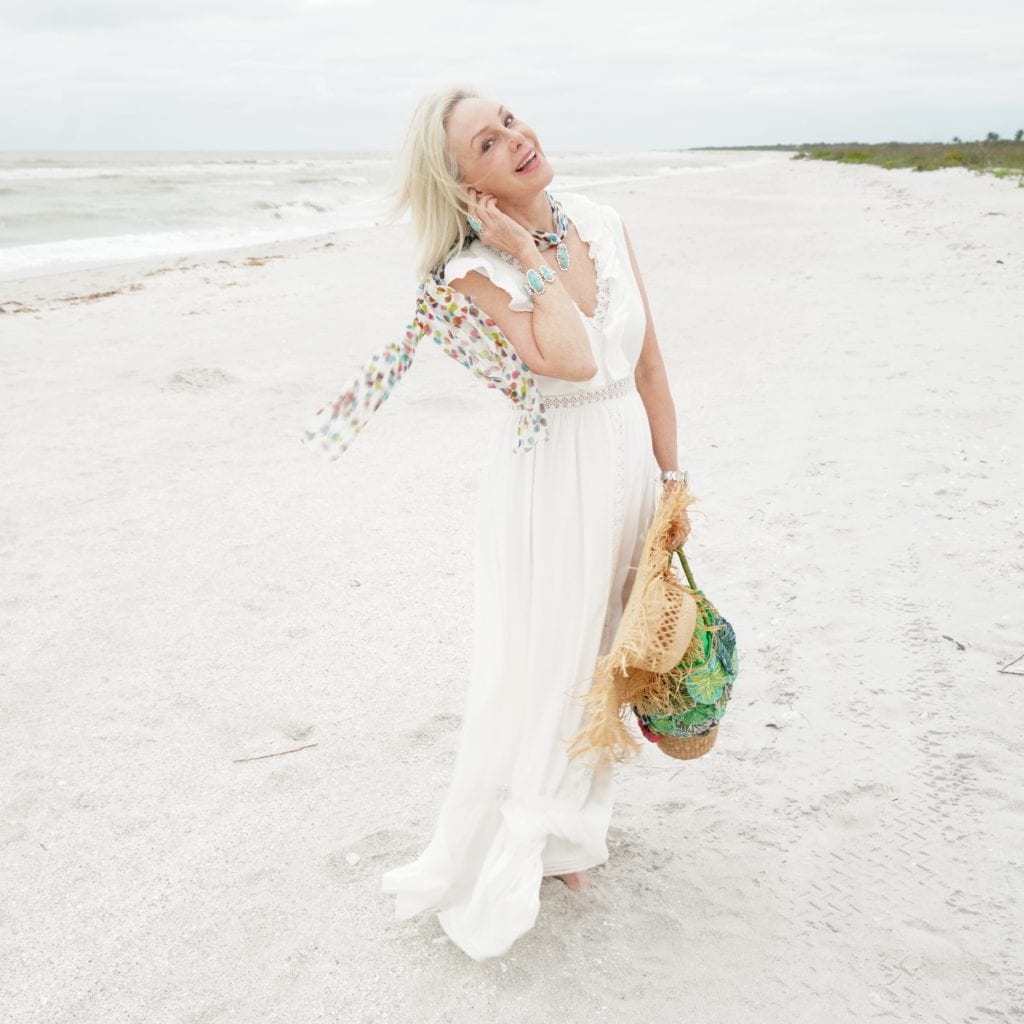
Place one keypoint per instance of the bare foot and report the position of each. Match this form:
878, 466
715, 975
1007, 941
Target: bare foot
578, 881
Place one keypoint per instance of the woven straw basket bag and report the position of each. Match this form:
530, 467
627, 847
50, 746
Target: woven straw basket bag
672, 661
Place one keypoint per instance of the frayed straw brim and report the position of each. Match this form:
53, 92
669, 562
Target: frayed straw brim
657, 627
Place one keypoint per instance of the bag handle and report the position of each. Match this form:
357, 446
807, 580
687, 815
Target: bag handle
686, 565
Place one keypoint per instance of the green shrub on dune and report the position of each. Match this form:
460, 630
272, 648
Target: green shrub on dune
1002, 157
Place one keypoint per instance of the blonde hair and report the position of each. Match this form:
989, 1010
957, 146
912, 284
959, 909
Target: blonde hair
429, 177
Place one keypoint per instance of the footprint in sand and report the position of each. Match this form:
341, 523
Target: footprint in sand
436, 727
200, 378
370, 854
629, 851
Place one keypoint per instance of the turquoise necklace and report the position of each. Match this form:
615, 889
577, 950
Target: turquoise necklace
542, 239
545, 239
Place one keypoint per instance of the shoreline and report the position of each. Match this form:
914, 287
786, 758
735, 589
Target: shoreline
369, 211
110, 273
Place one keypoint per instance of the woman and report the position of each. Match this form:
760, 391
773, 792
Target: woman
558, 527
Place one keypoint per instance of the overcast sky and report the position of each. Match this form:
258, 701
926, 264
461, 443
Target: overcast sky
344, 74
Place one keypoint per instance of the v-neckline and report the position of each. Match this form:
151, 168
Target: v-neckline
595, 319
600, 281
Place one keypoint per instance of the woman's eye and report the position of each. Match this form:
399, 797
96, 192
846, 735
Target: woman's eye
487, 142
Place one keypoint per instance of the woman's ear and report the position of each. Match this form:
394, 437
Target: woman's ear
460, 199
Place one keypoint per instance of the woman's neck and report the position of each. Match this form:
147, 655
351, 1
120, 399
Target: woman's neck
533, 214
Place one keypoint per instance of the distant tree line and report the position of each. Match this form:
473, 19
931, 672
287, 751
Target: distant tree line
992, 155
1018, 136
994, 137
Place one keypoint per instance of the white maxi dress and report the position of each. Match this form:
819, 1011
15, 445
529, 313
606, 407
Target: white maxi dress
559, 532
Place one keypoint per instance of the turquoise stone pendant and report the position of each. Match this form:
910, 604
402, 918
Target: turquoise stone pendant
556, 238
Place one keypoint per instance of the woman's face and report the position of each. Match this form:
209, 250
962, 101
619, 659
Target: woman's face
495, 151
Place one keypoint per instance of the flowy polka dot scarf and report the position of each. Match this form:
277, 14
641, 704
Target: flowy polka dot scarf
467, 335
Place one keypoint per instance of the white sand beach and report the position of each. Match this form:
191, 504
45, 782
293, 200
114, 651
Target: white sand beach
185, 587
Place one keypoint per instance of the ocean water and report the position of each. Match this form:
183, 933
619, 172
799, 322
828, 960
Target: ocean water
68, 210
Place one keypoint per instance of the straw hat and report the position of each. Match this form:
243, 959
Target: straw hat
654, 633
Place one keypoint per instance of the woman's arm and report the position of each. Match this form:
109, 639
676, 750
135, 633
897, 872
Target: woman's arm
550, 340
652, 383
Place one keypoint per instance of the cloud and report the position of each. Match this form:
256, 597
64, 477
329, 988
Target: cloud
70, 15
307, 73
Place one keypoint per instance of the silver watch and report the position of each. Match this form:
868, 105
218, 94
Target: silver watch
675, 474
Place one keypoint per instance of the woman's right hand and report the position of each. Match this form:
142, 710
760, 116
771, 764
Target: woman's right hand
499, 230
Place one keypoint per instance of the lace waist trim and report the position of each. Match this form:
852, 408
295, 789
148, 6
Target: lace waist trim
616, 389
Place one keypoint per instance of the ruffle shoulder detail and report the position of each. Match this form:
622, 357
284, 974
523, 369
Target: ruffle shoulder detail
477, 256
600, 226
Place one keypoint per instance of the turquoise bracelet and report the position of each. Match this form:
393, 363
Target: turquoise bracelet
535, 280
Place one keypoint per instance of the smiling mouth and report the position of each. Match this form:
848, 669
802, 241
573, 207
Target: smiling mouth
529, 163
